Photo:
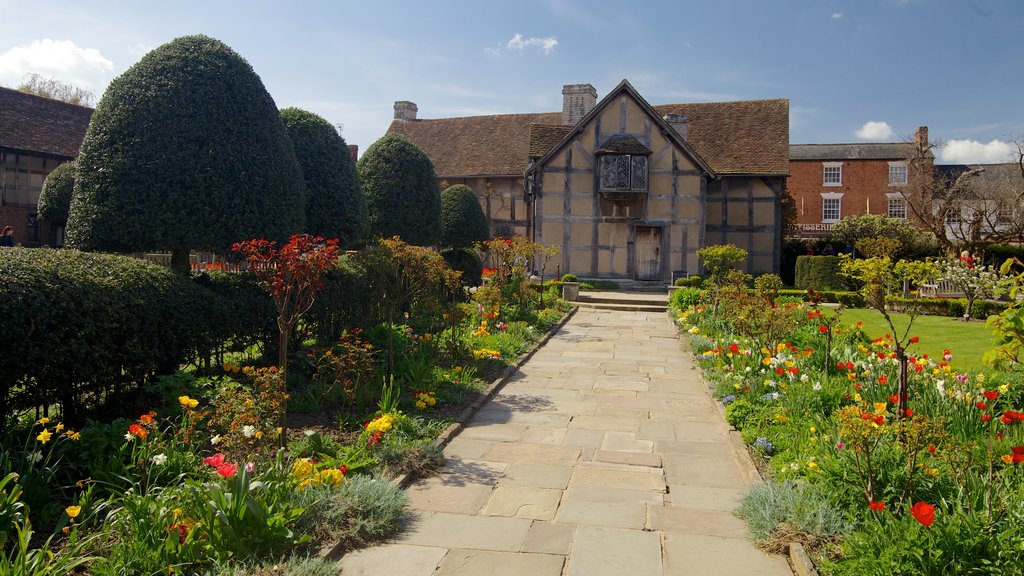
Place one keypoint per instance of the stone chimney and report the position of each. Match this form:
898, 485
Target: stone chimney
405, 110
921, 136
353, 152
679, 123
577, 101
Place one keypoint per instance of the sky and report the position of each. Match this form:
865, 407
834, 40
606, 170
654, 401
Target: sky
853, 70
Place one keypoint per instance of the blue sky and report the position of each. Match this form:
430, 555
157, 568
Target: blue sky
853, 70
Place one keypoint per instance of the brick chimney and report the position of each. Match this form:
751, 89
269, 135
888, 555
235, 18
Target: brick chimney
405, 110
577, 101
679, 123
353, 152
921, 136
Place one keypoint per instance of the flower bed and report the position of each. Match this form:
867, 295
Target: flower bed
934, 488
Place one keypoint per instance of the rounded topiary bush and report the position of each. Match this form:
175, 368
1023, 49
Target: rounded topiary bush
55, 197
186, 150
335, 207
569, 278
402, 194
463, 222
692, 281
818, 273
467, 261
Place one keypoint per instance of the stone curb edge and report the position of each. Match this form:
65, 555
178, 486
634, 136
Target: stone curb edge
800, 563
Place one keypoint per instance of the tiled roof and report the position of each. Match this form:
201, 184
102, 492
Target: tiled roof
36, 124
863, 151
749, 137
475, 145
623, 144
543, 137
744, 137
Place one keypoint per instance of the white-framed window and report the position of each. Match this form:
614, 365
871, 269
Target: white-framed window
832, 174
897, 206
624, 172
953, 216
831, 207
897, 173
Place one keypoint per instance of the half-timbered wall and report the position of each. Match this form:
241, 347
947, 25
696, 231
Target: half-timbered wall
501, 198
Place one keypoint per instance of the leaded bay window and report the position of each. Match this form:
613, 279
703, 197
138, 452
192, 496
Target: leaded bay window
623, 173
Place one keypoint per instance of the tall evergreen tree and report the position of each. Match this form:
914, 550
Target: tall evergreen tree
462, 218
403, 197
186, 150
335, 207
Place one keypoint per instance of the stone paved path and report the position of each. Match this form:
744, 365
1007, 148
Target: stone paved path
603, 455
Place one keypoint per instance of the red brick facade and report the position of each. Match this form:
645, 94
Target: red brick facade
863, 179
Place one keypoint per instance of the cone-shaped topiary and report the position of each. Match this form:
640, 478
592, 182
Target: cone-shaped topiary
462, 219
186, 150
402, 195
335, 207
55, 198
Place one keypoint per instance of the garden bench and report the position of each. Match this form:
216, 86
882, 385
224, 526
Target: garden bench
939, 289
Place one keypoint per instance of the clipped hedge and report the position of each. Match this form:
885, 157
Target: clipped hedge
467, 261
343, 303
79, 324
240, 312
691, 281
818, 273
953, 307
685, 296
846, 298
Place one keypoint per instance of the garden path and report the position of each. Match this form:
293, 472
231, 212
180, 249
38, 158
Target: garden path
604, 454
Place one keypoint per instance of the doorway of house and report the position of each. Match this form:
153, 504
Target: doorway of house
648, 253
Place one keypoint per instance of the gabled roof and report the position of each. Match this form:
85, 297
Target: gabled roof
743, 137
475, 145
982, 177
748, 137
862, 151
31, 123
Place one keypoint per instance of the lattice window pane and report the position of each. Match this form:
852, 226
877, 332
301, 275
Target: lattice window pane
615, 172
898, 208
639, 173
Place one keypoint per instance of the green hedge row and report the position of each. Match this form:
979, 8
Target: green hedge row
844, 297
818, 273
78, 324
953, 307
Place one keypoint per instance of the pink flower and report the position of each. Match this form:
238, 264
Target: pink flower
250, 467
840, 445
227, 470
216, 460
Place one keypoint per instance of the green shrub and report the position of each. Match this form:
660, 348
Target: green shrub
569, 278
800, 506
692, 281
335, 207
402, 195
463, 222
685, 297
76, 324
55, 198
186, 150
342, 303
467, 261
241, 313
818, 273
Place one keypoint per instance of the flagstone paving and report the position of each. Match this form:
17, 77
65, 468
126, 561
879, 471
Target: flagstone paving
603, 455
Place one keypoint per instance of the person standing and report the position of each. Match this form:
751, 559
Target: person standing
7, 236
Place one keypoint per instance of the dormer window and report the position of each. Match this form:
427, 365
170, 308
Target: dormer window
623, 164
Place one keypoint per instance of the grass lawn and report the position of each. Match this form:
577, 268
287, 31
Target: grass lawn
966, 340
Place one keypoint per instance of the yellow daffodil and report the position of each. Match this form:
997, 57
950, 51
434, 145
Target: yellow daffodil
43, 421
44, 436
73, 511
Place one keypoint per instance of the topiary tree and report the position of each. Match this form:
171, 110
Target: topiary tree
55, 198
402, 194
463, 222
186, 150
335, 207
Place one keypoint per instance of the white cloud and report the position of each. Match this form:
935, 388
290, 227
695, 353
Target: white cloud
874, 131
58, 59
974, 152
519, 43
837, 15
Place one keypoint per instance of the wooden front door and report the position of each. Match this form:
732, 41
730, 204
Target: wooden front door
648, 253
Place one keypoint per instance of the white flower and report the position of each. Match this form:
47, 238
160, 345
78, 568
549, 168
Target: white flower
941, 385
159, 459
129, 436
248, 431
309, 433
804, 378
34, 457
816, 387
215, 440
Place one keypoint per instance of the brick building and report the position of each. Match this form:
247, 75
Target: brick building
831, 181
37, 134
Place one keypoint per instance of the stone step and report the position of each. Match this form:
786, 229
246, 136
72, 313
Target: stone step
621, 306
646, 299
